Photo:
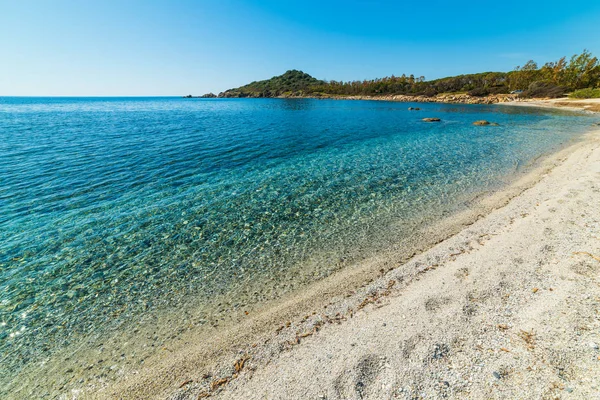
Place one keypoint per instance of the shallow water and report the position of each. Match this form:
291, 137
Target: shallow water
113, 209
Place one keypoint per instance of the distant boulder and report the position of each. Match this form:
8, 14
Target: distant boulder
431, 119
189, 96
413, 108
485, 123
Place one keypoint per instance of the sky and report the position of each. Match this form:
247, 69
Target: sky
179, 47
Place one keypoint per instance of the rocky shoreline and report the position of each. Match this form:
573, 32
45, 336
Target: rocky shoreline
452, 98
449, 98
458, 98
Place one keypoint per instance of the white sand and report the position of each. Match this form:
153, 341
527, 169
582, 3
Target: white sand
592, 105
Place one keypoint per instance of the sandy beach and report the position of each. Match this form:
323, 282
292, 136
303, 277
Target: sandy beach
506, 308
592, 105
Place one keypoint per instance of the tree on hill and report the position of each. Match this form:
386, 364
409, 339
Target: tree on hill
581, 71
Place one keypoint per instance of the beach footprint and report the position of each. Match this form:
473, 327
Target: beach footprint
370, 378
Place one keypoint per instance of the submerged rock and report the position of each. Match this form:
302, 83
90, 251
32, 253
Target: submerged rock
431, 119
413, 108
481, 123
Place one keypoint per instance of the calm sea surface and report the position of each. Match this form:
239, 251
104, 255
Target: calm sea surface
112, 209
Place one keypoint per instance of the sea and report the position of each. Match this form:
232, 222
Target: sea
119, 213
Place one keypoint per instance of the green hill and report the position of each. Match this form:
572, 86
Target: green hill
292, 83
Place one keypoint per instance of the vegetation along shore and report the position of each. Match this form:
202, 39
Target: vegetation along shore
579, 77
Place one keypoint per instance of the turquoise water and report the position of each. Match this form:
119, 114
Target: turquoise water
115, 208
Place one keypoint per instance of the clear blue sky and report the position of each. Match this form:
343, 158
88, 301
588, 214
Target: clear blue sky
176, 47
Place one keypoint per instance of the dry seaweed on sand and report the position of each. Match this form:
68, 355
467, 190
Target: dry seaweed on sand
587, 254
528, 337
239, 364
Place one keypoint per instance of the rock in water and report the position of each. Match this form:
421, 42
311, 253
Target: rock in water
481, 123
431, 119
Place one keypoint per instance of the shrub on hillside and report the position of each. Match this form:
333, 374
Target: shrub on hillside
588, 93
479, 92
499, 90
544, 90
486, 91
429, 92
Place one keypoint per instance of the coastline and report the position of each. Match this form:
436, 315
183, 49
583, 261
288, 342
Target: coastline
448, 98
451, 98
260, 340
509, 303
590, 105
